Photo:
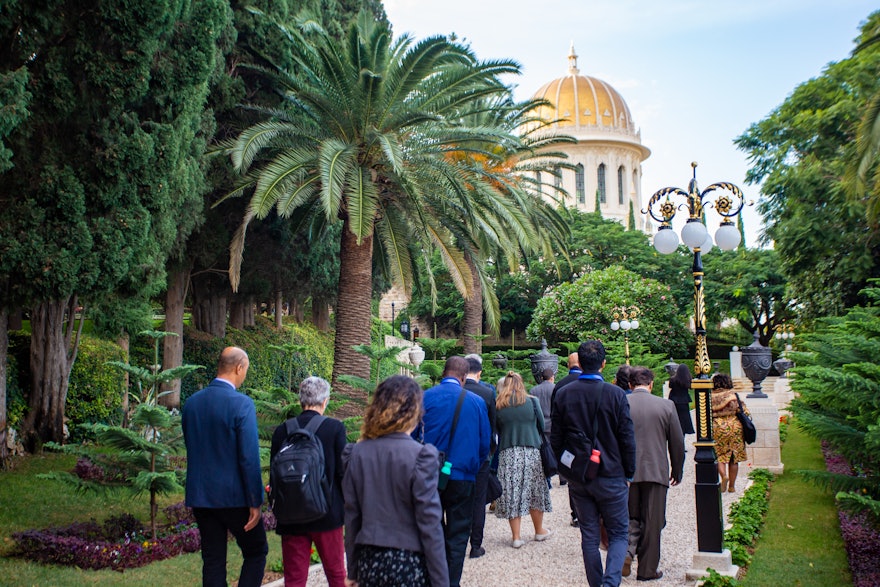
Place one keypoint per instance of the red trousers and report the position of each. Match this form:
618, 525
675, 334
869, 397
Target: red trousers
296, 553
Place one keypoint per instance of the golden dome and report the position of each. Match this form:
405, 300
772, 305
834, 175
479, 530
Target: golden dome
581, 101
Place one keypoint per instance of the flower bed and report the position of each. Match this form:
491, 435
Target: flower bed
862, 540
121, 542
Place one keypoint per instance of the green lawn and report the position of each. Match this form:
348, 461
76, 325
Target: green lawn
800, 544
28, 502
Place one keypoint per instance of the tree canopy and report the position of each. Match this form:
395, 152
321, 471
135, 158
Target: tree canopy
801, 152
572, 312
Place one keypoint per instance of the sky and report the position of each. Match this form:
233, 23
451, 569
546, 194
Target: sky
694, 73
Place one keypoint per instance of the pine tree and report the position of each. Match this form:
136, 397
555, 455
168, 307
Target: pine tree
838, 382
140, 457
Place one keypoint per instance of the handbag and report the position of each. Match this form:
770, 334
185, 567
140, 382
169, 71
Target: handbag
548, 460
493, 488
750, 433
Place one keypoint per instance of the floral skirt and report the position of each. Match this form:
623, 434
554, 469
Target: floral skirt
522, 480
391, 567
729, 444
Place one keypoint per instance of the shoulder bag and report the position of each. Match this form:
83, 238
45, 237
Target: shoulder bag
548, 461
750, 434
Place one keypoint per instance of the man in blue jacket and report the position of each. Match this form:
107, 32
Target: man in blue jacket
468, 450
224, 485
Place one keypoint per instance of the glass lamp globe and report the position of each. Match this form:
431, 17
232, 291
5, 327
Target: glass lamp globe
625, 324
778, 336
615, 325
665, 241
694, 233
727, 237
634, 324
706, 246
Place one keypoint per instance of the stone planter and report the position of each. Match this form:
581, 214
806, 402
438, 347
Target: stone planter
543, 360
756, 361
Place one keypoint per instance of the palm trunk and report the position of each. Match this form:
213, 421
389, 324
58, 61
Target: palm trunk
353, 310
473, 313
172, 346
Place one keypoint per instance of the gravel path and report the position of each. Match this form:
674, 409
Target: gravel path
558, 561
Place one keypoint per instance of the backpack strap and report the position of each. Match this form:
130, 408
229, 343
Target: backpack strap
461, 397
291, 426
315, 423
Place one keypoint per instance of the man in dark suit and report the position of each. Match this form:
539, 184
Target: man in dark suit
325, 532
658, 434
466, 452
592, 409
224, 485
478, 523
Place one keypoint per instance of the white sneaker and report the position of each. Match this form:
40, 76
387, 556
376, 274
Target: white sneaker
517, 543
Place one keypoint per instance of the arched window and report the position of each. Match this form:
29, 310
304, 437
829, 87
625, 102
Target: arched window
557, 177
579, 184
620, 182
602, 194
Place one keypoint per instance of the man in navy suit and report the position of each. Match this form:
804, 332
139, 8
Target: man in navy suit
224, 485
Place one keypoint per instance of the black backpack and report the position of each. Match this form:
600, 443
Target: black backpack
299, 491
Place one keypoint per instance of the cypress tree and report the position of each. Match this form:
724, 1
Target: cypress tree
108, 169
631, 220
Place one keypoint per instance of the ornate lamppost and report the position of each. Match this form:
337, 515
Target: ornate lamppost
784, 333
728, 204
626, 319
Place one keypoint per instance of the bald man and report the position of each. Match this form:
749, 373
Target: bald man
224, 484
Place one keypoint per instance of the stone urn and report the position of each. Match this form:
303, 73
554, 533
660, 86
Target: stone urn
416, 355
671, 367
543, 360
756, 361
499, 361
782, 366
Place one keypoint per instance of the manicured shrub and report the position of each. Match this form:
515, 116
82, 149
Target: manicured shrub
747, 516
95, 393
268, 367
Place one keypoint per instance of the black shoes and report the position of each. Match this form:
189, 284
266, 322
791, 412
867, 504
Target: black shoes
657, 575
477, 552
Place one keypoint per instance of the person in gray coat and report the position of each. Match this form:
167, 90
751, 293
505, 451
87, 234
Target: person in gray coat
393, 534
658, 432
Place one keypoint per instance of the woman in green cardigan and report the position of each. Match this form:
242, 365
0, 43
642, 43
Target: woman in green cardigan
520, 426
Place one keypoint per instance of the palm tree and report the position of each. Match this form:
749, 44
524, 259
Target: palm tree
863, 176
510, 168
363, 141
